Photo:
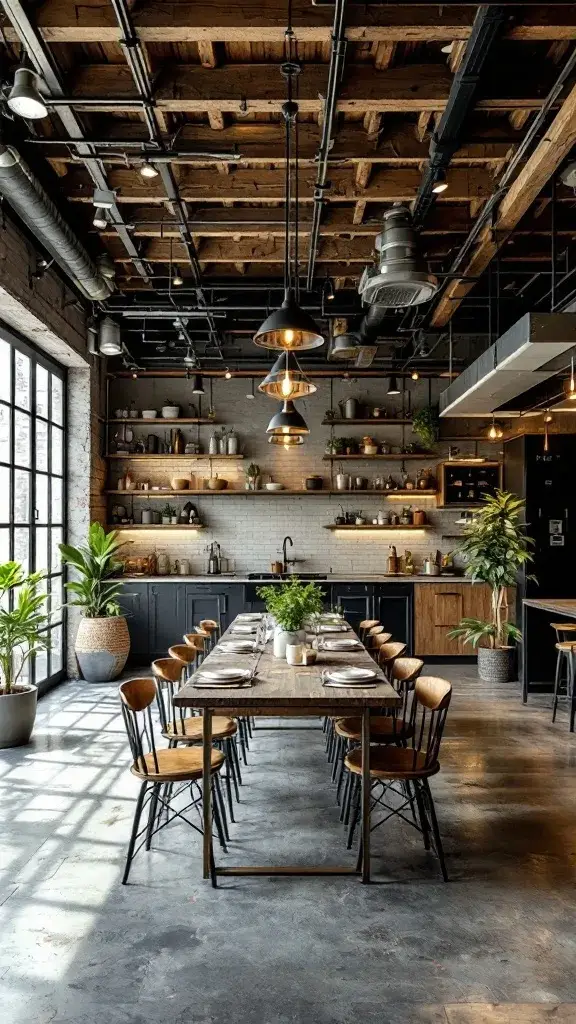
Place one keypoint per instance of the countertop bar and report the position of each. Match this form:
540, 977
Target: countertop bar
348, 578
558, 605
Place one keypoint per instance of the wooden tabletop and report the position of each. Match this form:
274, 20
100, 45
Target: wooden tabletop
558, 605
283, 688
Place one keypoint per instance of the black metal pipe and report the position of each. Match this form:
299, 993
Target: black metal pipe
337, 55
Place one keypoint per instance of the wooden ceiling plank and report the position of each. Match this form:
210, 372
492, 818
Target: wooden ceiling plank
363, 172
558, 140
422, 125
216, 120
359, 209
207, 53
456, 54
383, 54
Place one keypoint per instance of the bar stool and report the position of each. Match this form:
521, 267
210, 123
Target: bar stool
365, 625
565, 659
196, 641
377, 641
213, 628
204, 635
387, 655
187, 655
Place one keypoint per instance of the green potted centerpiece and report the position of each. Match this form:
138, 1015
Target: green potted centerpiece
23, 633
495, 547
291, 605
102, 642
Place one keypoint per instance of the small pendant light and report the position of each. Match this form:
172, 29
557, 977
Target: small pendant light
24, 98
495, 433
286, 380
570, 385
393, 388
288, 422
197, 385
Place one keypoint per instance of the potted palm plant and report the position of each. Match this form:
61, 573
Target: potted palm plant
291, 604
495, 547
102, 642
23, 632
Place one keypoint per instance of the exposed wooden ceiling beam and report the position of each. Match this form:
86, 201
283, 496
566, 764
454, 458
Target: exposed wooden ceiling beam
387, 185
558, 140
252, 88
217, 250
236, 21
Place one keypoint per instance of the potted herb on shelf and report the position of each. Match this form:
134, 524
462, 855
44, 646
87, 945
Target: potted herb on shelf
102, 641
495, 547
335, 446
291, 604
253, 477
168, 514
426, 424
23, 633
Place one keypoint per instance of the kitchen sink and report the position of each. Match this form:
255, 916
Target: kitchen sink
286, 575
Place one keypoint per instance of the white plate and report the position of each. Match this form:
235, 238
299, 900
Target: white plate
342, 645
223, 675
334, 628
351, 674
237, 646
249, 617
243, 628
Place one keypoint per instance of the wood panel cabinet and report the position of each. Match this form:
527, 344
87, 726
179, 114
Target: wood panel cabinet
438, 607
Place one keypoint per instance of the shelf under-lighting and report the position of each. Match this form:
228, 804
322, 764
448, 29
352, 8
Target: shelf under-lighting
374, 526
155, 526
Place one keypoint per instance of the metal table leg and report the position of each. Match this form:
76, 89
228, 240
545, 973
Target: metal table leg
366, 795
206, 789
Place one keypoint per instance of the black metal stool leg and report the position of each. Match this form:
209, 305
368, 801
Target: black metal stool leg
152, 814
557, 678
134, 833
435, 830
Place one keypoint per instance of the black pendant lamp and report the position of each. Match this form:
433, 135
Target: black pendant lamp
197, 385
286, 440
287, 380
290, 327
287, 423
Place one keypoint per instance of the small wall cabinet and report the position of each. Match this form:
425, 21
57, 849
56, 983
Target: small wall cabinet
464, 482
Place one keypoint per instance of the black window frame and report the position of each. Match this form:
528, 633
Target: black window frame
55, 578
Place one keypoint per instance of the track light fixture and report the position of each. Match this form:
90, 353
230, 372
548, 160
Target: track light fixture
100, 220
177, 279
109, 343
440, 183
24, 98
393, 388
197, 385
287, 380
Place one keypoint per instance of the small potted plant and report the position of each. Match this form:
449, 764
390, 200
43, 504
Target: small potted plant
170, 411
291, 604
23, 633
426, 424
102, 641
253, 477
495, 547
335, 446
168, 514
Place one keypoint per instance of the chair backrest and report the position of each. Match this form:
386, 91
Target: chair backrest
200, 631
168, 673
209, 624
428, 717
168, 669
403, 674
375, 630
137, 697
388, 653
194, 640
380, 639
368, 624
183, 652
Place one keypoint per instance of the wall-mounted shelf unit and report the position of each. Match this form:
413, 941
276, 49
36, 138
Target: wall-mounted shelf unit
378, 421
139, 455
155, 526
159, 420
374, 526
284, 493
394, 457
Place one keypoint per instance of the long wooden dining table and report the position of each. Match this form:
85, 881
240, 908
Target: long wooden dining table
280, 690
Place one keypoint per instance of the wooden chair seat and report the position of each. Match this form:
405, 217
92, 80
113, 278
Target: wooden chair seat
392, 763
566, 645
567, 627
383, 729
191, 729
177, 765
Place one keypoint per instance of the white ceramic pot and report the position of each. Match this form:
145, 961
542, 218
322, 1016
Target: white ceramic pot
170, 412
17, 715
165, 520
283, 637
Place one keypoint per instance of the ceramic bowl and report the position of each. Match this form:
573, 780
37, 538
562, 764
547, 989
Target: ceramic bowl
216, 483
180, 483
149, 414
274, 487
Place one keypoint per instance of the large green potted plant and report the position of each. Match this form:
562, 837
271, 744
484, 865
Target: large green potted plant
23, 632
495, 548
102, 642
291, 604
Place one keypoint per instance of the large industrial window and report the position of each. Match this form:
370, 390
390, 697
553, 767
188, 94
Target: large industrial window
32, 480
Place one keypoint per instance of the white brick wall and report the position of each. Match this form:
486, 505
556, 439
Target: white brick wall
250, 529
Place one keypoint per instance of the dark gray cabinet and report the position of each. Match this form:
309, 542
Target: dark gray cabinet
393, 607
167, 621
212, 601
355, 600
134, 605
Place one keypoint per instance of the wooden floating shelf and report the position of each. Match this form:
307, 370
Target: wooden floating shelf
154, 526
378, 421
373, 526
140, 455
141, 422
262, 493
396, 456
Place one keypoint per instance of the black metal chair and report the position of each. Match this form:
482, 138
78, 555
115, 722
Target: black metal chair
402, 772
165, 774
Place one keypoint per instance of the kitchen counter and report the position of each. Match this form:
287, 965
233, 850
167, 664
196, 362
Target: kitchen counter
537, 652
330, 578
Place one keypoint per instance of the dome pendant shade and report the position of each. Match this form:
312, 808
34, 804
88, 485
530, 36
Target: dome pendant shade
286, 440
289, 328
288, 422
25, 99
286, 381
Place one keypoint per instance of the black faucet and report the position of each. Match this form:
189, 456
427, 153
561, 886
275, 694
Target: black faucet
285, 553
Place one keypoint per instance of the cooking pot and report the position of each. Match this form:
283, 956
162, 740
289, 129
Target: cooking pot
314, 483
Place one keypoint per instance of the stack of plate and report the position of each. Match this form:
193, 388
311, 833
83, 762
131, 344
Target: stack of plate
351, 675
334, 627
249, 617
236, 646
233, 675
343, 644
243, 627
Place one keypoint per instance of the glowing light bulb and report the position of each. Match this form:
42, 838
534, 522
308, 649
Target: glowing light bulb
289, 336
285, 430
286, 385
228, 374
492, 433
415, 375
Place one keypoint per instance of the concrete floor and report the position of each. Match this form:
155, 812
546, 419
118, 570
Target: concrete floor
495, 946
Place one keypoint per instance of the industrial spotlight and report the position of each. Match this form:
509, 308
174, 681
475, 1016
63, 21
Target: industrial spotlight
393, 388
147, 170
197, 385
177, 278
440, 183
25, 99
109, 343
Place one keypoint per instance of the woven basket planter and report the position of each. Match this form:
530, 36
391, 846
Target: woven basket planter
495, 664
102, 647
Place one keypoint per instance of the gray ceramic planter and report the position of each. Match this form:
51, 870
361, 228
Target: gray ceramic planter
494, 665
17, 716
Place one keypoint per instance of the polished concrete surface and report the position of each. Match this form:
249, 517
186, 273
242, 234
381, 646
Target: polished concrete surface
494, 946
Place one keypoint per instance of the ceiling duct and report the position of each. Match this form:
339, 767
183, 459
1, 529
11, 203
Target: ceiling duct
529, 352
35, 208
400, 279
